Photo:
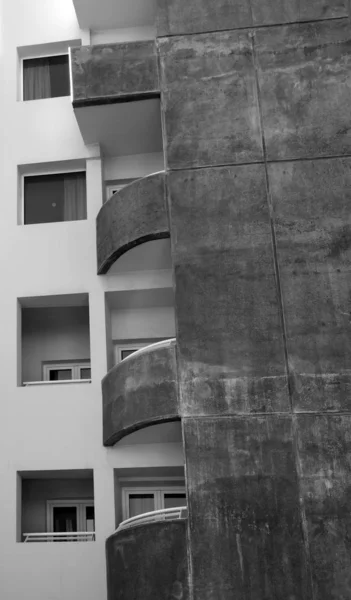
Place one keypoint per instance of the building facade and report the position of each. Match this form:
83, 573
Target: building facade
176, 234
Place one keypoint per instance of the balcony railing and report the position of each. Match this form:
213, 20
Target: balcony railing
165, 514
73, 536
59, 381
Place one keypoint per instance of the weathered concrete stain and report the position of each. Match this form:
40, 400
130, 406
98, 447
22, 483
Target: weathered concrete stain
305, 83
215, 74
269, 12
181, 16
140, 391
312, 219
226, 292
113, 72
148, 562
135, 214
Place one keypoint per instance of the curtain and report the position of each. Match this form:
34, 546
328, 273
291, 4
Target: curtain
74, 203
140, 503
36, 79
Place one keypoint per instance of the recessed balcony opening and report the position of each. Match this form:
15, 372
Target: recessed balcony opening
137, 318
148, 494
56, 506
55, 344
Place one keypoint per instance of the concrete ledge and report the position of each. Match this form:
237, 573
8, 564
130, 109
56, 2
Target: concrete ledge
140, 391
108, 73
148, 562
134, 215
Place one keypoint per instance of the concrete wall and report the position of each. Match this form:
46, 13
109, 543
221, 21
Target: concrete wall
257, 138
50, 334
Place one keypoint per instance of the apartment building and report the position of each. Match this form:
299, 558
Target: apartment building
175, 229
65, 327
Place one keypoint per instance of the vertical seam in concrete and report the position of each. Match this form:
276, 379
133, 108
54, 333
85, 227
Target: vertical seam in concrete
271, 221
301, 507
304, 524
162, 107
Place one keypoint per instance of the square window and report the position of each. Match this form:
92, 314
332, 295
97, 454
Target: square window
46, 77
54, 198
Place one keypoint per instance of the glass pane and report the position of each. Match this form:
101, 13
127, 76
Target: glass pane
140, 503
60, 374
173, 500
43, 199
90, 518
125, 353
59, 76
65, 518
85, 373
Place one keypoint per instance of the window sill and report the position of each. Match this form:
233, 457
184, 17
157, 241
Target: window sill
62, 381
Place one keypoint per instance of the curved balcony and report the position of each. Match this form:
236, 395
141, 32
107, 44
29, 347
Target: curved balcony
134, 215
148, 561
141, 390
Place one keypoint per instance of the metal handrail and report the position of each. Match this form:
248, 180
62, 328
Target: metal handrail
72, 536
28, 383
147, 348
179, 512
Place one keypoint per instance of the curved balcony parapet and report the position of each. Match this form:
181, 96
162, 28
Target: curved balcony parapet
134, 215
141, 390
106, 73
148, 562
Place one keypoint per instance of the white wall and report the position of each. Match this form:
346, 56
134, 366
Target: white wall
133, 166
125, 34
142, 323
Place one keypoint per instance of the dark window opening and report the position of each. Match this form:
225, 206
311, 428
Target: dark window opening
46, 77
53, 198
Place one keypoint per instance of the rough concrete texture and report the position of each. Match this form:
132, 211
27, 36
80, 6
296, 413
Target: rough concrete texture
269, 12
135, 214
305, 86
246, 526
139, 391
148, 562
209, 99
261, 258
182, 16
113, 72
311, 203
226, 294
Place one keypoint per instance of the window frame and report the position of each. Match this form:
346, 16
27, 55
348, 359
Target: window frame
80, 503
43, 174
118, 349
36, 56
74, 365
117, 186
156, 490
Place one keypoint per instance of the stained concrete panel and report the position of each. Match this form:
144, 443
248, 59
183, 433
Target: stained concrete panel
267, 12
304, 74
209, 99
134, 215
313, 230
325, 461
181, 16
231, 355
141, 390
245, 519
113, 72
148, 562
